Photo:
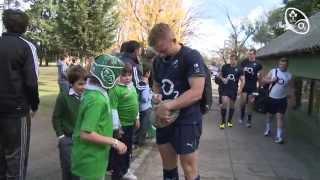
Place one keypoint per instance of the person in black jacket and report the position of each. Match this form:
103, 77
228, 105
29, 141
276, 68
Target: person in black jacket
19, 98
130, 53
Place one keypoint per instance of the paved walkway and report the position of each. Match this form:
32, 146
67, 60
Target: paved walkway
244, 154
238, 153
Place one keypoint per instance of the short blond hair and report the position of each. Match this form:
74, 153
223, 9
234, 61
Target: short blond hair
159, 32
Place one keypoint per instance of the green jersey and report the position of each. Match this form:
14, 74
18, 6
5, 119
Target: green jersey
124, 99
89, 160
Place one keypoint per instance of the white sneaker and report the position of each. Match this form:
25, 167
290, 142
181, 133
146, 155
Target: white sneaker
240, 121
267, 132
130, 176
279, 141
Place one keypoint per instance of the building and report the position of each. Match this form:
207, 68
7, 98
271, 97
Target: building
1, 10
303, 52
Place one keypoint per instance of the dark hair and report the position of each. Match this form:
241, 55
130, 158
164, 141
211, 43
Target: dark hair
146, 69
253, 50
285, 60
127, 69
76, 73
158, 32
15, 21
123, 47
130, 46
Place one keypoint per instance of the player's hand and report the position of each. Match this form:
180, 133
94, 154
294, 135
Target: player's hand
274, 79
225, 80
163, 112
121, 147
32, 113
157, 98
137, 124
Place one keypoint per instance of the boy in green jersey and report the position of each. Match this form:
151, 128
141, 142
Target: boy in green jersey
125, 105
65, 115
92, 135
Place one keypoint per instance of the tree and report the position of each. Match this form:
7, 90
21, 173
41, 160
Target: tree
240, 34
88, 27
139, 16
42, 30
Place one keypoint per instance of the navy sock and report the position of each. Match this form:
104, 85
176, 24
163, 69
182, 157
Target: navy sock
243, 111
172, 174
223, 115
249, 118
231, 111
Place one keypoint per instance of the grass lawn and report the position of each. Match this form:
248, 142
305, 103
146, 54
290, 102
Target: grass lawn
48, 89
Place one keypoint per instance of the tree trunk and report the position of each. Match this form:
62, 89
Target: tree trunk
41, 61
47, 61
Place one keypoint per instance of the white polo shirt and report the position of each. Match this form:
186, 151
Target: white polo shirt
280, 89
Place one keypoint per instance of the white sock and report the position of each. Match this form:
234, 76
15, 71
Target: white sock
279, 132
268, 124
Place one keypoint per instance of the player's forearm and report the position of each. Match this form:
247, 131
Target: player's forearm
97, 138
186, 99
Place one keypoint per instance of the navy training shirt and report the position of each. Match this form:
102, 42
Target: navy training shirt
233, 74
251, 70
172, 75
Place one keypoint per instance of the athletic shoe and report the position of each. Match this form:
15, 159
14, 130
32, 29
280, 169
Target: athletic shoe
240, 121
267, 132
130, 176
279, 141
222, 126
230, 124
248, 125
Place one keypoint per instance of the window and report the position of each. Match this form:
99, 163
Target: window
305, 95
307, 92
316, 99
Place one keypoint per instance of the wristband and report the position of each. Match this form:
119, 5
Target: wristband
62, 136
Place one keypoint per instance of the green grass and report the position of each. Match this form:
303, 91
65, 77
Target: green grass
48, 89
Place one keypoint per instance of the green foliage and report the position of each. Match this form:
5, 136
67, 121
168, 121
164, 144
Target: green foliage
87, 27
43, 27
79, 27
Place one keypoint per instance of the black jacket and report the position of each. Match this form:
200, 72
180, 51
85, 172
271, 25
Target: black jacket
136, 70
18, 76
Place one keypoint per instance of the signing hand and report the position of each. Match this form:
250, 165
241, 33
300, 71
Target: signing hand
163, 112
157, 98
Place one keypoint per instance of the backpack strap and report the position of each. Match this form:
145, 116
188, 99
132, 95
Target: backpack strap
274, 83
182, 58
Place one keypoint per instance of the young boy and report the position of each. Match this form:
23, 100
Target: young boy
93, 131
124, 102
145, 108
65, 115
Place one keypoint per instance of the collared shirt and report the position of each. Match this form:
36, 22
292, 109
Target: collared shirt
72, 92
